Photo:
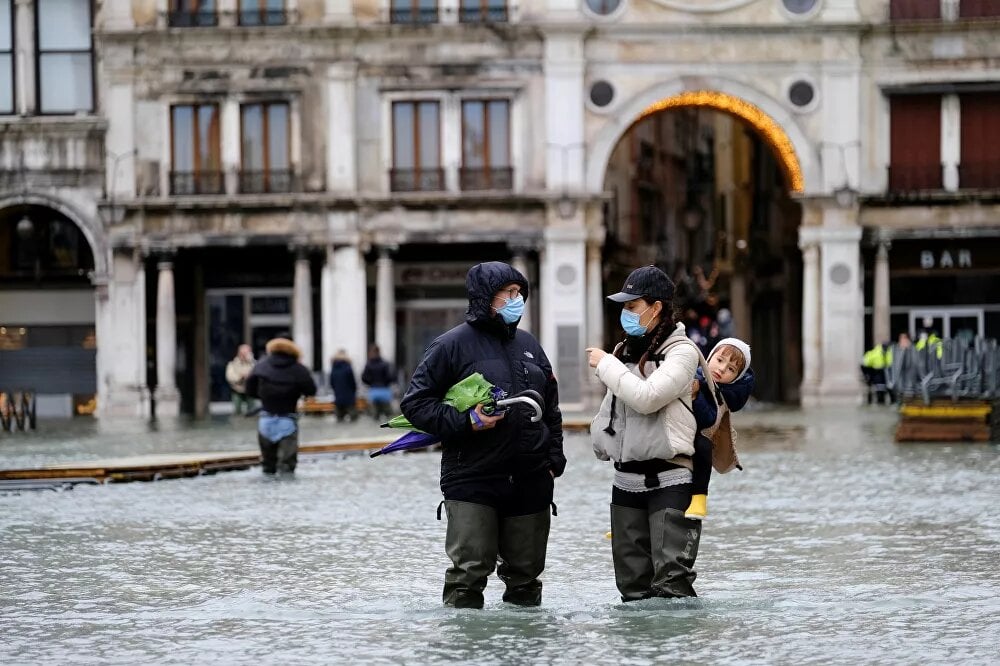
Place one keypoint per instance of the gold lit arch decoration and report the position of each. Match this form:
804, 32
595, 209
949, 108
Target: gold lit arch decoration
734, 106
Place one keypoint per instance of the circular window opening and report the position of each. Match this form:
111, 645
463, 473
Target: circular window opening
799, 6
801, 93
603, 7
601, 93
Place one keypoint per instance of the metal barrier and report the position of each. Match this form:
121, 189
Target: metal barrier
17, 410
952, 368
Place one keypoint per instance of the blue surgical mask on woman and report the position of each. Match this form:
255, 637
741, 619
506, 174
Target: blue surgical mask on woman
512, 309
630, 322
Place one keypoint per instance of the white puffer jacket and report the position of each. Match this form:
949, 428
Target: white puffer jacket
650, 420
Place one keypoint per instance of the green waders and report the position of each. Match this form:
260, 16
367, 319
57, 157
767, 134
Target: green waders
476, 537
653, 553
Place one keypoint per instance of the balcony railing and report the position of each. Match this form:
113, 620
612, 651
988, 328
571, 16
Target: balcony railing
979, 175
197, 182
914, 10
915, 178
264, 182
414, 15
979, 9
196, 18
496, 178
254, 17
480, 14
412, 180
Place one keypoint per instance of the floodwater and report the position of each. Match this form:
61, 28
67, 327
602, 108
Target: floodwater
834, 546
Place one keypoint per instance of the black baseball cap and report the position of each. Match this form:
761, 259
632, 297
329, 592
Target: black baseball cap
647, 282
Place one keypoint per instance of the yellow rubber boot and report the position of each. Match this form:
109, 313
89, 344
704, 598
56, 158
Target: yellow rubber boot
698, 508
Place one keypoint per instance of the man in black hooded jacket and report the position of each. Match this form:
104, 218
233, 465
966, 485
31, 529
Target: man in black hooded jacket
497, 471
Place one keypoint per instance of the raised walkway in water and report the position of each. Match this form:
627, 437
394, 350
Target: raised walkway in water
159, 466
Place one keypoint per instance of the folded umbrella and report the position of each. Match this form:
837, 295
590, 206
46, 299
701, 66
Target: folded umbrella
466, 394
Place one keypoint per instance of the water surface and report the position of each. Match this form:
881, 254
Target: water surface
834, 546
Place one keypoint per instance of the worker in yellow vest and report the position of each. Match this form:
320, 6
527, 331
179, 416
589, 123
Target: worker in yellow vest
873, 365
930, 341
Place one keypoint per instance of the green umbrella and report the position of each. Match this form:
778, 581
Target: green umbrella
464, 395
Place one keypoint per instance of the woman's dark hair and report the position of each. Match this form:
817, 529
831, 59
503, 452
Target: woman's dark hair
668, 319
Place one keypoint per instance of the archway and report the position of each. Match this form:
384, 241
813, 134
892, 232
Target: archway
702, 184
48, 323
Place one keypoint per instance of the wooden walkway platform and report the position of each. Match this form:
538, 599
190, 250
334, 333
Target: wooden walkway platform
159, 466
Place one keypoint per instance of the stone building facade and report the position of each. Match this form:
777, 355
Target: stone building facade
329, 169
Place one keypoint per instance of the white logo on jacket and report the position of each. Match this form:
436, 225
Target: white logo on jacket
529, 354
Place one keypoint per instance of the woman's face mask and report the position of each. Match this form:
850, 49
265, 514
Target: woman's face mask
631, 322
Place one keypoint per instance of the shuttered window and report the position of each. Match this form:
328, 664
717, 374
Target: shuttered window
980, 130
914, 143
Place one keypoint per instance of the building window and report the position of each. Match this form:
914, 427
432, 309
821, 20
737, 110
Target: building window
265, 147
483, 11
6, 57
413, 11
914, 10
65, 56
263, 12
192, 13
979, 8
980, 127
486, 146
416, 147
195, 154
914, 163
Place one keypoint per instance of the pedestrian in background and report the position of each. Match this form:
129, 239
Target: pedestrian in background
345, 386
497, 471
237, 371
378, 377
279, 380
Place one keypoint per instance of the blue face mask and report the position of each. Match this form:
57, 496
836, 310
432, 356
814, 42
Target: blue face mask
512, 310
630, 322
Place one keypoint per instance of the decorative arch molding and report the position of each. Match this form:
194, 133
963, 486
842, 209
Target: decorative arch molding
704, 6
91, 229
795, 153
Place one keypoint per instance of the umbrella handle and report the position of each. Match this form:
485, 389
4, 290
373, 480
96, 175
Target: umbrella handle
525, 400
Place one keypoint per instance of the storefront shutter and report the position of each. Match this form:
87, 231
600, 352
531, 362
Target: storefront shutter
980, 129
914, 143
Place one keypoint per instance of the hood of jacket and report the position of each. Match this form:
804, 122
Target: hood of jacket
284, 347
481, 283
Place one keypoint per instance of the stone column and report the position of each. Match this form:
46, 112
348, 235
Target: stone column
951, 141
520, 262
595, 296
341, 145
563, 320
121, 339
167, 403
841, 306
302, 310
385, 305
24, 57
811, 332
348, 304
880, 304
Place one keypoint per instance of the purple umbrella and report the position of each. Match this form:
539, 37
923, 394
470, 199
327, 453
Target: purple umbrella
418, 439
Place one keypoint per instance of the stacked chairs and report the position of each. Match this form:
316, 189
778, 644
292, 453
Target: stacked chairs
964, 368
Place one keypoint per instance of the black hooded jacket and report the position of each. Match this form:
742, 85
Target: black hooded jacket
506, 357
279, 380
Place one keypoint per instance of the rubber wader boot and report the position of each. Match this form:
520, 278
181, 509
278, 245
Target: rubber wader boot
674, 540
471, 543
630, 552
268, 454
523, 540
288, 453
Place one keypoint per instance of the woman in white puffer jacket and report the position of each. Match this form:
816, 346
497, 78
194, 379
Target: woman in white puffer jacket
646, 427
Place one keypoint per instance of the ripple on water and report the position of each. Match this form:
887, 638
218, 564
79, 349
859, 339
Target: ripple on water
835, 545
